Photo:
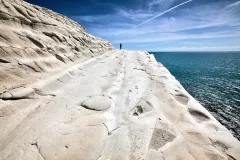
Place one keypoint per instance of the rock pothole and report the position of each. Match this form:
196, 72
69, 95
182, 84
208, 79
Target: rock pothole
182, 98
198, 115
141, 108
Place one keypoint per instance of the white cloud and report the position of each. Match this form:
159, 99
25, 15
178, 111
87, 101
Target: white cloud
167, 37
160, 5
202, 48
206, 21
134, 15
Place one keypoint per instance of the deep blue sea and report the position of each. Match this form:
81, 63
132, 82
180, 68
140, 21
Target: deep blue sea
213, 78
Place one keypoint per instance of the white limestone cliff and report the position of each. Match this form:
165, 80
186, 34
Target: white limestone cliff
65, 94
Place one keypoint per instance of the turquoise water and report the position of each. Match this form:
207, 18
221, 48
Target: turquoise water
212, 78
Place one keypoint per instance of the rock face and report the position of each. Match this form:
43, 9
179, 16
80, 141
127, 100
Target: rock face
68, 95
37, 40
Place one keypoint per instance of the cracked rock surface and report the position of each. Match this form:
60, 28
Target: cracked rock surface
65, 94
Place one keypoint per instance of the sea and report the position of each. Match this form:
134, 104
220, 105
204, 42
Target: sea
212, 78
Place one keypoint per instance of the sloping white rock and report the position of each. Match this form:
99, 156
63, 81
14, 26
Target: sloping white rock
65, 94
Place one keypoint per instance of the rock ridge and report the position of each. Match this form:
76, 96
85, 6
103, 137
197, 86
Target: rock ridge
65, 94
36, 40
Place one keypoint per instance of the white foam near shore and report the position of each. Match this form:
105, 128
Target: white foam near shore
65, 94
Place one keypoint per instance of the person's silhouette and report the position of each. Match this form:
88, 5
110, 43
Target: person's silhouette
120, 46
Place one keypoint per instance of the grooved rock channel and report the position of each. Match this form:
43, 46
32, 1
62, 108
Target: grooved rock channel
65, 94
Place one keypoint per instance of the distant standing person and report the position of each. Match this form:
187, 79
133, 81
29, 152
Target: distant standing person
120, 46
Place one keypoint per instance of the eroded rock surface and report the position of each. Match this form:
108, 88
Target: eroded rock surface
35, 40
63, 95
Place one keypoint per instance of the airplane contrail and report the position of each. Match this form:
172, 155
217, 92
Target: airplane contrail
233, 4
162, 13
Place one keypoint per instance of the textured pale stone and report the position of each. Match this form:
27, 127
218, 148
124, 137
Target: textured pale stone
64, 95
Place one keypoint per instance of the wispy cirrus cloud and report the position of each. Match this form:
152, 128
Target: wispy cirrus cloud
195, 21
159, 5
201, 48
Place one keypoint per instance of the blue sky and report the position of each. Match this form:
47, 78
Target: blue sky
199, 25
